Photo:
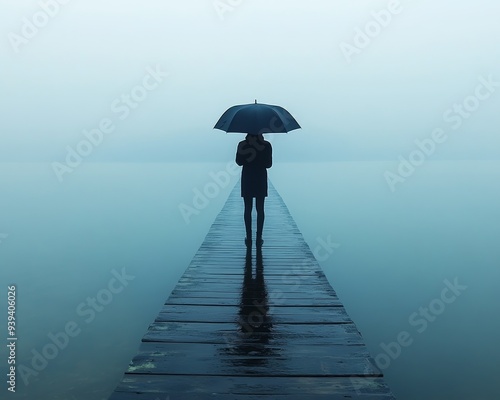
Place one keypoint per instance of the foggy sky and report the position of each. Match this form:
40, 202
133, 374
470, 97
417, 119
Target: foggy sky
370, 103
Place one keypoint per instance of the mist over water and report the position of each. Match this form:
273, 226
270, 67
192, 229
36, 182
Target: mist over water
392, 254
395, 253
67, 242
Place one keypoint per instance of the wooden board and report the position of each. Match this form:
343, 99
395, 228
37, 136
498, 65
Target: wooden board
209, 387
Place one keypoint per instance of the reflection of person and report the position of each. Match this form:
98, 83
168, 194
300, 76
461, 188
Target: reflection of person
255, 320
255, 155
250, 349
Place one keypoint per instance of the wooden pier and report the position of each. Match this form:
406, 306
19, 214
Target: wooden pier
247, 324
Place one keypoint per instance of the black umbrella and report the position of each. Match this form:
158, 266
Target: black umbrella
257, 118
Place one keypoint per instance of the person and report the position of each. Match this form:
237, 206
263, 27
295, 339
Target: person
254, 154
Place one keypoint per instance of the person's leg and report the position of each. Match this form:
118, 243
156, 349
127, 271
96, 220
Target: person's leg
248, 216
259, 205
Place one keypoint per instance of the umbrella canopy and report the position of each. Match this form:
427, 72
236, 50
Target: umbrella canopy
257, 118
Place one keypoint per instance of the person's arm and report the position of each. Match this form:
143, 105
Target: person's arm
240, 160
269, 156
245, 154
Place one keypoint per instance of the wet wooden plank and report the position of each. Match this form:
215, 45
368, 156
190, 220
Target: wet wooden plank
270, 360
304, 280
187, 293
246, 325
290, 284
278, 347
184, 386
272, 302
223, 272
221, 333
285, 315
221, 396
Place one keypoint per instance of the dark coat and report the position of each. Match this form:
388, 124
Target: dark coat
255, 155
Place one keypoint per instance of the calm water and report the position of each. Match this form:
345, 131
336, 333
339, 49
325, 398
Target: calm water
64, 245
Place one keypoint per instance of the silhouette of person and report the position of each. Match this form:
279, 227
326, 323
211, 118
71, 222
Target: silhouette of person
254, 154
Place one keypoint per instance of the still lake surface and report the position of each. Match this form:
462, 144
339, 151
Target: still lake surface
395, 254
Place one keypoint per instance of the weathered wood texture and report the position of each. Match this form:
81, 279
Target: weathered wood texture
248, 324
